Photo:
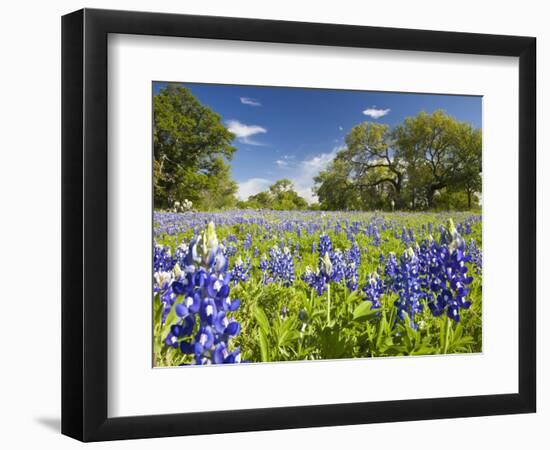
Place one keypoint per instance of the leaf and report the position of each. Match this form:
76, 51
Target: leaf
288, 337
381, 331
287, 332
261, 318
457, 333
157, 310
459, 345
332, 346
157, 346
264, 346
423, 350
442, 325
363, 312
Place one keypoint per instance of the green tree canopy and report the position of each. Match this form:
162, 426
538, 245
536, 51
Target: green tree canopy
427, 159
335, 188
190, 146
468, 162
426, 142
280, 196
371, 158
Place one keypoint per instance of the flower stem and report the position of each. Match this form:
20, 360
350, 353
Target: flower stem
328, 303
447, 328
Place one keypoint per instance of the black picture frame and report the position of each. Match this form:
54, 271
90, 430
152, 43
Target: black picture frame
84, 224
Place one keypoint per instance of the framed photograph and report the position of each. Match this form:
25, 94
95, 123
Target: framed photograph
273, 225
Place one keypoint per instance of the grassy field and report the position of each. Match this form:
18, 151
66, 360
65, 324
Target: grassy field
260, 286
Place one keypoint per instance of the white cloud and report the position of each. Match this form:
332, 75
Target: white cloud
250, 101
341, 128
319, 162
252, 186
301, 173
242, 130
285, 161
308, 169
245, 132
376, 113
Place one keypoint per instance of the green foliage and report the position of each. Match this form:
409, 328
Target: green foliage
339, 323
363, 312
430, 161
335, 190
191, 146
280, 196
427, 162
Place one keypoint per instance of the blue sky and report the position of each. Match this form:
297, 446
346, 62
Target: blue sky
294, 132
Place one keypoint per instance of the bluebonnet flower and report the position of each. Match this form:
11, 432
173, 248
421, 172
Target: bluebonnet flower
324, 272
353, 261
334, 266
428, 265
241, 270
450, 275
162, 259
391, 271
351, 276
407, 286
279, 267
231, 250
163, 281
180, 253
376, 240
319, 279
182, 329
405, 236
200, 294
464, 228
338, 266
264, 264
247, 241
476, 256
325, 244
354, 254
374, 289
309, 277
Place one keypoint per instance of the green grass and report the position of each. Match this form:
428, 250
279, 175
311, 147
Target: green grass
353, 329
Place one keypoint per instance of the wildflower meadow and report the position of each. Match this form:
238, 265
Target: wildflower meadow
245, 286
303, 224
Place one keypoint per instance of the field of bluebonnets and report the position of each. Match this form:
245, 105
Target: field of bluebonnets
256, 286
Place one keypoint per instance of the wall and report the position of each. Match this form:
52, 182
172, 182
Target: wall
30, 190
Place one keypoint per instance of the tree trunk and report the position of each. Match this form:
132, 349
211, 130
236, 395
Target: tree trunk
430, 197
432, 189
397, 187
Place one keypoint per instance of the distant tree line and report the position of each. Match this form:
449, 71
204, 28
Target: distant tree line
280, 196
430, 161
